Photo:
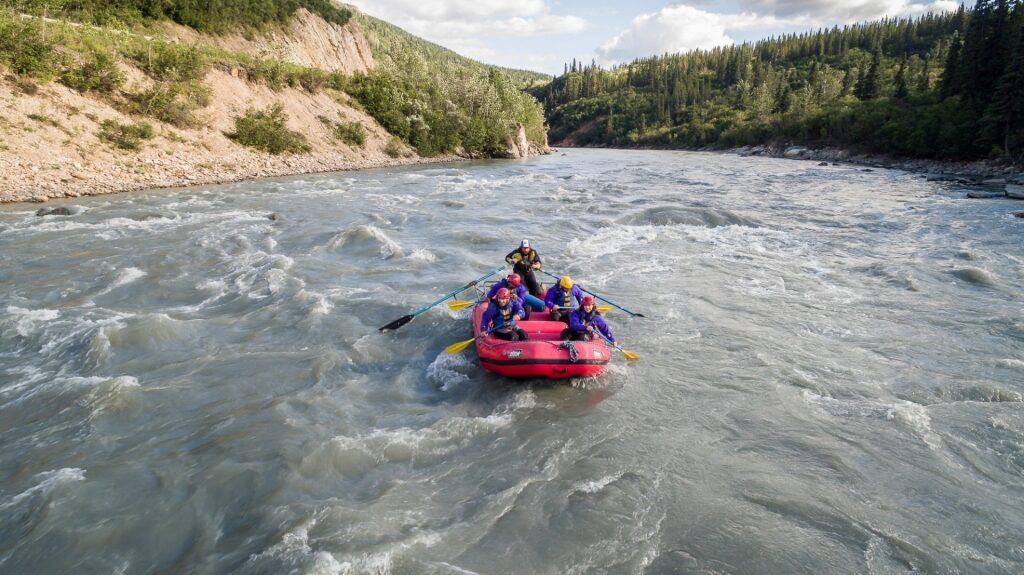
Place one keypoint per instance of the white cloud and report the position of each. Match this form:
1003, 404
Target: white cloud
830, 11
680, 28
674, 28
450, 22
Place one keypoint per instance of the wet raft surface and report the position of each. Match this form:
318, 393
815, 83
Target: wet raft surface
831, 376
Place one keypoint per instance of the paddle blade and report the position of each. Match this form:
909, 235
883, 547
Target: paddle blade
456, 305
630, 354
457, 347
604, 308
397, 323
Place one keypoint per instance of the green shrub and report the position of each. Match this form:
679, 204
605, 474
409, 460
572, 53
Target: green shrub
267, 130
25, 49
351, 133
395, 148
171, 102
171, 62
125, 136
98, 72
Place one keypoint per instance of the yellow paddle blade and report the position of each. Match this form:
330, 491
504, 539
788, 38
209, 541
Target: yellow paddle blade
456, 304
630, 354
457, 347
604, 308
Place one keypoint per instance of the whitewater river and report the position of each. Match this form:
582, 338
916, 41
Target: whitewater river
831, 375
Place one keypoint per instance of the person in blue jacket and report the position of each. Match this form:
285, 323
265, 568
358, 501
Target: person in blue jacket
562, 298
501, 314
515, 285
584, 320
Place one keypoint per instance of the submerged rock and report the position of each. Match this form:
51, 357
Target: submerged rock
53, 212
273, 217
1019, 215
985, 195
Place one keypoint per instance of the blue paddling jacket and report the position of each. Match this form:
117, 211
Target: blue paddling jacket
502, 316
558, 296
579, 320
518, 292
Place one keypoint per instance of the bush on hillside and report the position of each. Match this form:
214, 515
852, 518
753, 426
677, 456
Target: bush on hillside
125, 136
267, 130
25, 49
351, 133
98, 72
174, 103
170, 62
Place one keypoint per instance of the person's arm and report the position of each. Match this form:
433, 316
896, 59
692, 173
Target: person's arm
549, 298
536, 260
600, 324
485, 321
574, 322
518, 311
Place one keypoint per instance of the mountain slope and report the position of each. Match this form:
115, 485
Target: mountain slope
90, 109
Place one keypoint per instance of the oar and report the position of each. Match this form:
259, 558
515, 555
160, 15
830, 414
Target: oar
601, 298
457, 347
458, 304
627, 354
407, 318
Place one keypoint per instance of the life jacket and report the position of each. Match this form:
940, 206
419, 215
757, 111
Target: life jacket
566, 297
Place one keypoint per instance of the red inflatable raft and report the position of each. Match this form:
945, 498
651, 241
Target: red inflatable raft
543, 355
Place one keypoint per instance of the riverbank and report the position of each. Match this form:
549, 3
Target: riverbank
40, 182
969, 173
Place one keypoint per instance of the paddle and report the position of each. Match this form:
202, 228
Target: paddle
457, 347
407, 318
600, 298
627, 354
456, 304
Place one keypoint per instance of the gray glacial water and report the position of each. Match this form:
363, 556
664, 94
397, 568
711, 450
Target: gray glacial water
831, 376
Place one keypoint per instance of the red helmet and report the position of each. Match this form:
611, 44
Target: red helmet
503, 293
588, 300
514, 280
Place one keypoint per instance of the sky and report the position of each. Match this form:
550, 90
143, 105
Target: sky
542, 35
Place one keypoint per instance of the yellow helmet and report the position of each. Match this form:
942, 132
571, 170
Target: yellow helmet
565, 282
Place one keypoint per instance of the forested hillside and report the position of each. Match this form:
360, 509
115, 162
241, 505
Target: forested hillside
206, 16
438, 100
947, 86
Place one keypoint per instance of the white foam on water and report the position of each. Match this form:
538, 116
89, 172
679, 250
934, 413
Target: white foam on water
597, 485
912, 415
124, 277
388, 248
422, 255
29, 321
112, 395
449, 370
46, 482
276, 280
1010, 363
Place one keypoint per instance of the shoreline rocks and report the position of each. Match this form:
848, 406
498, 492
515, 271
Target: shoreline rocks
969, 173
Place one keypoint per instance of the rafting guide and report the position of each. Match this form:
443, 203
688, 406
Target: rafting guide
525, 260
